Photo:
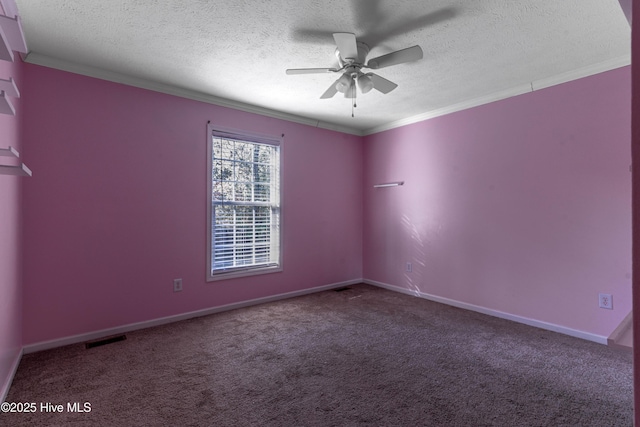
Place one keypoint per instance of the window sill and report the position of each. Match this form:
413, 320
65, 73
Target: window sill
243, 273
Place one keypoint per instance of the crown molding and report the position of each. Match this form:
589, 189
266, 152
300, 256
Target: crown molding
51, 62
579, 73
495, 96
557, 79
71, 67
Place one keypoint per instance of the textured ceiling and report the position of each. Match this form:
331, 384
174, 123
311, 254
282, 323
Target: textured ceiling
236, 52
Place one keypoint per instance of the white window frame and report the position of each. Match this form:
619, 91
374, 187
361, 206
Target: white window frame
276, 203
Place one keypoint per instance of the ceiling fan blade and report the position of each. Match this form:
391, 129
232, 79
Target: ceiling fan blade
331, 91
412, 53
381, 84
346, 45
311, 70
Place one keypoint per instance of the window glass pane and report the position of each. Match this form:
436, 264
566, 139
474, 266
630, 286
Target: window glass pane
216, 145
217, 191
225, 172
262, 192
222, 191
244, 152
264, 154
262, 173
216, 170
242, 192
226, 149
244, 172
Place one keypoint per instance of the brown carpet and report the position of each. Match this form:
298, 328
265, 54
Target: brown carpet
363, 356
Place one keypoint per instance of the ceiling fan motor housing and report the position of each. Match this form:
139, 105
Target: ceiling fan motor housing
346, 84
363, 51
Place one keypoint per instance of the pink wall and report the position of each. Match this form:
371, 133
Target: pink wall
117, 204
521, 206
10, 229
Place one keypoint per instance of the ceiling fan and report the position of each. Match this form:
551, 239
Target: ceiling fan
352, 55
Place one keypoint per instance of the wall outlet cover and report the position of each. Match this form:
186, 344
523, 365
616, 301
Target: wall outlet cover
605, 301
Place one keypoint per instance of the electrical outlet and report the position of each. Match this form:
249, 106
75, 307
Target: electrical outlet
409, 267
177, 285
606, 301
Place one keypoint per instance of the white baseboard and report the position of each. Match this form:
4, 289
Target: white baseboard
7, 384
46, 345
508, 316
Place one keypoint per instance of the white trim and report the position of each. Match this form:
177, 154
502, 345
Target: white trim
583, 72
508, 93
252, 137
495, 313
46, 345
464, 105
12, 373
60, 64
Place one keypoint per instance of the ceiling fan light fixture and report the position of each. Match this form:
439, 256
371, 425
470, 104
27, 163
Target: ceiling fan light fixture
365, 83
351, 90
343, 83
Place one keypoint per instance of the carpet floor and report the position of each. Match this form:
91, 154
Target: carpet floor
361, 356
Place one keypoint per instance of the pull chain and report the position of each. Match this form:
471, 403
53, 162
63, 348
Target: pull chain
355, 94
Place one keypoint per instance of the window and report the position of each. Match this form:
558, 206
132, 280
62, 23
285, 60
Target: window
244, 204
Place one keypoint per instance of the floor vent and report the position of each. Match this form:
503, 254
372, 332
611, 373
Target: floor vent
346, 288
105, 341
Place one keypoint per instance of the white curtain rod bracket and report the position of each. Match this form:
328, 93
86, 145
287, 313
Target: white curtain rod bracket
389, 184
